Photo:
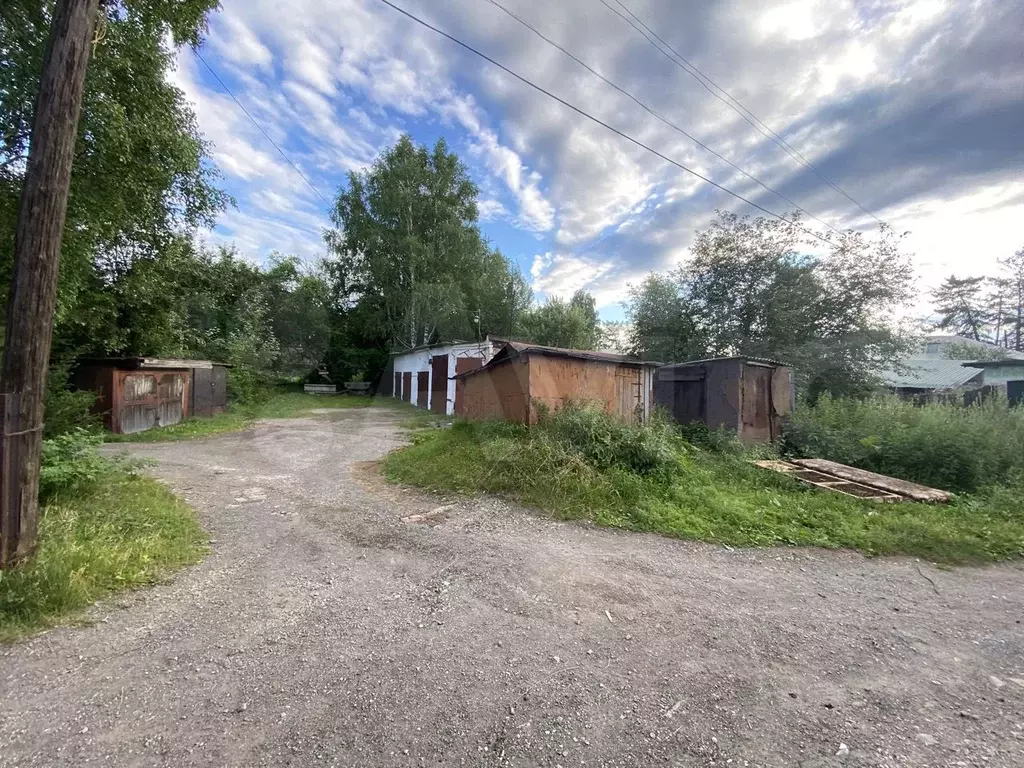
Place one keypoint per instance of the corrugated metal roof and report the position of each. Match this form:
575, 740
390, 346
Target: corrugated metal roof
512, 349
583, 354
149, 362
930, 374
744, 358
993, 363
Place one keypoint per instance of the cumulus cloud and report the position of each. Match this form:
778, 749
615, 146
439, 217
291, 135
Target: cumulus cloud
913, 107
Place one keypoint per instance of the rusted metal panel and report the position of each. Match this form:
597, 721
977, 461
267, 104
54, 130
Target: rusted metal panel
465, 365
757, 416
743, 395
209, 394
501, 392
147, 399
439, 383
554, 380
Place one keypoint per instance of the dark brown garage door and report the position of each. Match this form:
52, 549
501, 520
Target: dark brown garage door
422, 388
398, 385
407, 386
439, 383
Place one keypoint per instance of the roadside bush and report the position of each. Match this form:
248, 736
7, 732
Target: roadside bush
946, 446
603, 440
71, 462
66, 410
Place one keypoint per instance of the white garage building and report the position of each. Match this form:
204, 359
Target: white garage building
424, 375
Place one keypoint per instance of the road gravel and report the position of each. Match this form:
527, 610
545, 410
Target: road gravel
342, 621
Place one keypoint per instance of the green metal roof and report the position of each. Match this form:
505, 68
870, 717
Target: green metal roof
930, 374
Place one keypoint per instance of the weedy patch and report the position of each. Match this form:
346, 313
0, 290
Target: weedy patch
581, 464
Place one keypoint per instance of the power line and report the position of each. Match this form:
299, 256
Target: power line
660, 117
260, 127
755, 122
600, 122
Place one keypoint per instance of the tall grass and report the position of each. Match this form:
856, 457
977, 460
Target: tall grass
572, 465
946, 446
103, 528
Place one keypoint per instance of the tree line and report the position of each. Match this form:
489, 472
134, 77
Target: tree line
405, 262
986, 308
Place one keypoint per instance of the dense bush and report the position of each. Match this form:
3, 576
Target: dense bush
947, 446
606, 442
71, 462
66, 410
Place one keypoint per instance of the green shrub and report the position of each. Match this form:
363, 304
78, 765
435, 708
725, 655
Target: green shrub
707, 496
946, 446
66, 410
71, 462
606, 442
714, 440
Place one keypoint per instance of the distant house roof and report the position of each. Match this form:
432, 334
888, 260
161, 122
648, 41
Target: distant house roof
967, 341
1014, 362
930, 374
514, 349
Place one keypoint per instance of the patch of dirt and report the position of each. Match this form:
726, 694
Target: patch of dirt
332, 626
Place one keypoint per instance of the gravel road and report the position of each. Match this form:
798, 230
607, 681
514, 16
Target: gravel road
326, 630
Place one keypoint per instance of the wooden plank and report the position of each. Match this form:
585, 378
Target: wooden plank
874, 480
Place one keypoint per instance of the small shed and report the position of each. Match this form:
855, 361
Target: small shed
138, 393
520, 377
745, 395
1006, 374
424, 376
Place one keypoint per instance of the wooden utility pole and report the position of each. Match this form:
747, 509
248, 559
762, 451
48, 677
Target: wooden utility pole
33, 293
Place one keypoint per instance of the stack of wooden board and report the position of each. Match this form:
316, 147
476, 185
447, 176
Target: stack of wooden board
851, 481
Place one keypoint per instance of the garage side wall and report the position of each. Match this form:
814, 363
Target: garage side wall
609, 386
501, 392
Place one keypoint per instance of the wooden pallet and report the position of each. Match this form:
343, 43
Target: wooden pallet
829, 481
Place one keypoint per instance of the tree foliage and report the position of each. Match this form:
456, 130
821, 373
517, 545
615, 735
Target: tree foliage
407, 238
141, 181
961, 306
573, 324
754, 287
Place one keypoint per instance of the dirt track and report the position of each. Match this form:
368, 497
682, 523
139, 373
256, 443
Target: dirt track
323, 630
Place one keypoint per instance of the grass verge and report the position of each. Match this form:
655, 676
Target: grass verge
124, 532
696, 494
283, 405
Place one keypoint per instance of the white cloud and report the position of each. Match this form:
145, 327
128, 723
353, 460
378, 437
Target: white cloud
336, 82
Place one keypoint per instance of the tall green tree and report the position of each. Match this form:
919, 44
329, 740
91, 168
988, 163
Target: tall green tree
572, 324
752, 287
961, 306
1013, 271
141, 178
407, 233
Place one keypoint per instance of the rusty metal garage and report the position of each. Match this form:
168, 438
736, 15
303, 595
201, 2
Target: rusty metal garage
134, 394
521, 379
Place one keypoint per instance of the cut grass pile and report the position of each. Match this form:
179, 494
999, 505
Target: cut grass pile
122, 531
649, 479
283, 405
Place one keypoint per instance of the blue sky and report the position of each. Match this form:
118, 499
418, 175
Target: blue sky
913, 107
